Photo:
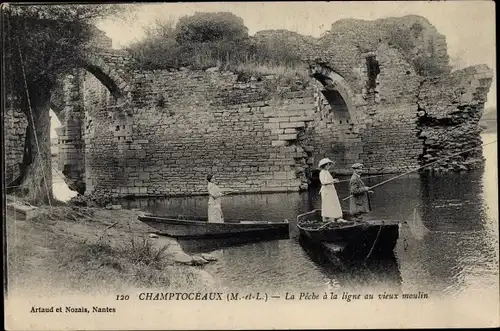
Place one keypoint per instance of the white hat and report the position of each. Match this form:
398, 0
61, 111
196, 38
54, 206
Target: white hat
324, 161
357, 165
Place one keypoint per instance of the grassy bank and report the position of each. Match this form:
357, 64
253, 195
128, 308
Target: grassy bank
77, 249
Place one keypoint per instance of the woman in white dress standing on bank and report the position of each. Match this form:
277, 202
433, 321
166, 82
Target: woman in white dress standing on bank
331, 210
214, 202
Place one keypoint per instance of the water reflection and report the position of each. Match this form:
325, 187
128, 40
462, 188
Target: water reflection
445, 197
459, 254
192, 246
379, 272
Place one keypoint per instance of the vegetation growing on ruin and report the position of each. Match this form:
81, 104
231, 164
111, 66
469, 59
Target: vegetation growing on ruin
206, 40
40, 42
424, 59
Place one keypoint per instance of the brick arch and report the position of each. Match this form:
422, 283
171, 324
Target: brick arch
333, 82
110, 77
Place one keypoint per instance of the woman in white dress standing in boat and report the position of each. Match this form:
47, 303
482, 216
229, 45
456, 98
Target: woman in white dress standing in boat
214, 201
331, 210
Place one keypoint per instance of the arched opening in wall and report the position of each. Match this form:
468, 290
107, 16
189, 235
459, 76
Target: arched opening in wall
338, 106
87, 96
336, 91
60, 188
108, 82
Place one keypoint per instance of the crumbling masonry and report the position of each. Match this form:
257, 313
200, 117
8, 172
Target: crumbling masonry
369, 99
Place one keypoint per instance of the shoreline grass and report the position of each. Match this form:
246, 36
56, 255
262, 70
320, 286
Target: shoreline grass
74, 249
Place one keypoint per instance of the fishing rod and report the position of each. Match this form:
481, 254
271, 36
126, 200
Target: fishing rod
424, 166
401, 175
374, 176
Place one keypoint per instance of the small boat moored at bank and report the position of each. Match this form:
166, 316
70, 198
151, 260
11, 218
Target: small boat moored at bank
354, 239
199, 227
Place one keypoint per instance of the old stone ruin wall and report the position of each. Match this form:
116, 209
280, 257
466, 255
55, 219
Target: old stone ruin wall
373, 76
188, 124
369, 118
258, 136
15, 124
148, 133
449, 110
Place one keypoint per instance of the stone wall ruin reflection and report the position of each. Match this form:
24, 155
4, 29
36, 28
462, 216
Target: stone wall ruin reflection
369, 99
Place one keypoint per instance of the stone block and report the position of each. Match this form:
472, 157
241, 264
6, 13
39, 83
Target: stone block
20, 211
279, 119
287, 136
278, 131
297, 106
144, 176
271, 125
280, 175
300, 118
278, 143
274, 183
292, 125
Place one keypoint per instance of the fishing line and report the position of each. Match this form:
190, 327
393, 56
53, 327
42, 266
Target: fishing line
424, 166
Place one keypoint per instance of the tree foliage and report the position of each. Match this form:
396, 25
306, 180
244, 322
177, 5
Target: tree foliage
40, 42
158, 49
205, 40
210, 27
47, 39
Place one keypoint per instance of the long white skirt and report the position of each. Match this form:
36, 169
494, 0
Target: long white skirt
215, 213
330, 203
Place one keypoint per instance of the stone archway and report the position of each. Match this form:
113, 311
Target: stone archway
69, 98
109, 76
338, 120
337, 92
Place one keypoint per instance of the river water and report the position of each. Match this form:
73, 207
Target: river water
459, 254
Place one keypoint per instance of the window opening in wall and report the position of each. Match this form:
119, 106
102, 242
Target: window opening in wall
117, 128
373, 69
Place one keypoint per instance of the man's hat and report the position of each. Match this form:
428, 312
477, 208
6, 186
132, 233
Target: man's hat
357, 165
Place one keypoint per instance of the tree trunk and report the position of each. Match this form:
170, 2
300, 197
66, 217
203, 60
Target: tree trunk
36, 186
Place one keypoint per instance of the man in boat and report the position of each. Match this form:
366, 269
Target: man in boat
331, 210
214, 201
359, 203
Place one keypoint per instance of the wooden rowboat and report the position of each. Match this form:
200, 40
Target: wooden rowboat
356, 238
199, 227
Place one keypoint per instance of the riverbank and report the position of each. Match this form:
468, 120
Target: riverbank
86, 249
